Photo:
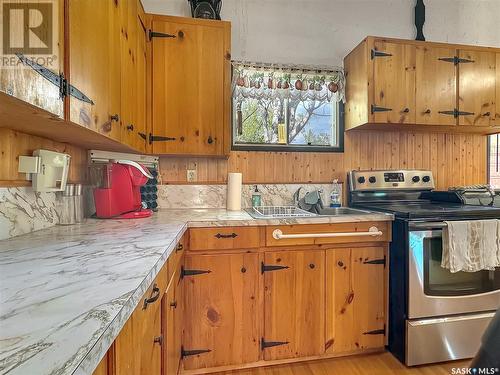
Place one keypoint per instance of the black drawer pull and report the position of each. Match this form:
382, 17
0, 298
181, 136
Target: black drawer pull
173, 304
114, 117
406, 110
155, 294
179, 247
158, 340
130, 127
427, 111
232, 235
487, 114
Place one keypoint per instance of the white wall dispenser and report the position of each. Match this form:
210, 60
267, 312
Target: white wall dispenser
48, 170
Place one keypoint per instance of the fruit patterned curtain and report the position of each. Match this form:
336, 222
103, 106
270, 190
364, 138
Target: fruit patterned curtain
271, 81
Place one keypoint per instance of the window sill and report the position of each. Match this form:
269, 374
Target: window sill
285, 148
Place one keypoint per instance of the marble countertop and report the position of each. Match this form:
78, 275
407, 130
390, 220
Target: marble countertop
67, 291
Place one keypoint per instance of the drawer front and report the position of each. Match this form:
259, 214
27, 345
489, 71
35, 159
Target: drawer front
223, 238
335, 233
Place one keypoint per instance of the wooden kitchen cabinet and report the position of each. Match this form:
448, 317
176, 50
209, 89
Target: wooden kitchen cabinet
355, 299
393, 83
191, 73
435, 85
221, 316
94, 58
497, 84
294, 304
17, 77
138, 347
476, 87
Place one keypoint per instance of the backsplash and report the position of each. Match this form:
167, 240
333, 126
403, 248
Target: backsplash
214, 196
23, 211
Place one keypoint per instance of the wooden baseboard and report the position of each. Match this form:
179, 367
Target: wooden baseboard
263, 363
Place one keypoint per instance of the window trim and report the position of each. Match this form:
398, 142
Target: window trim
292, 148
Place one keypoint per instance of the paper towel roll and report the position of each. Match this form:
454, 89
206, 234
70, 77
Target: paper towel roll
234, 191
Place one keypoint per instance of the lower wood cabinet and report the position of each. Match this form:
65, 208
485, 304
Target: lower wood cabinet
355, 299
294, 304
222, 317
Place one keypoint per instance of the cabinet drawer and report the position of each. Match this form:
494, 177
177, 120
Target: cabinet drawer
222, 238
316, 234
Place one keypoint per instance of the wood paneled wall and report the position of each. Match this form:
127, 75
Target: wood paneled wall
455, 159
13, 144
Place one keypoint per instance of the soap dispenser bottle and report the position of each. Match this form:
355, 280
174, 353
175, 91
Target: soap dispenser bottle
256, 197
335, 194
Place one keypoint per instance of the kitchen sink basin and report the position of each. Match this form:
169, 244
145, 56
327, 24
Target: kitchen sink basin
277, 212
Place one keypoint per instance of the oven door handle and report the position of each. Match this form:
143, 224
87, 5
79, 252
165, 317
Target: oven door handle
425, 225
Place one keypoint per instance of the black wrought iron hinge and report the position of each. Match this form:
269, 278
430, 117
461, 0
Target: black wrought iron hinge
58, 80
455, 60
157, 34
185, 272
159, 138
376, 108
455, 113
187, 353
267, 268
375, 53
269, 344
376, 261
375, 332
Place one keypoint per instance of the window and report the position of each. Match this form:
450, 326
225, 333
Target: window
283, 108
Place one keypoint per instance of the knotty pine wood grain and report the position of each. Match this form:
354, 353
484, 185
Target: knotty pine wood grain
13, 144
455, 159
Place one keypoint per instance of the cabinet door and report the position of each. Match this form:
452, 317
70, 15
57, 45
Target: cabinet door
435, 85
393, 98
294, 302
133, 75
170, 358
18, 78
138, 346
356, 299
94, 65
221, 310
476, 88
190, 91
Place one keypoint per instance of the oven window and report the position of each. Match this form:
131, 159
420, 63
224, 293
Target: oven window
439, 281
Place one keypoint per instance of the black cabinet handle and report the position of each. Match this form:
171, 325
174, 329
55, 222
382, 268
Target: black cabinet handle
210, 140
406, 110
155, 294
115, 117
158, 340
179, 247
130, 127
232, 235
173, 304
487, 114
312, 266
427, 111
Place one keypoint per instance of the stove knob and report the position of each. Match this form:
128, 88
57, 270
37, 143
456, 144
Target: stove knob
372, 179
415, 179
361, 180
426, 178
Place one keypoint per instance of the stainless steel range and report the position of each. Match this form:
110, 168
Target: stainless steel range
434, 315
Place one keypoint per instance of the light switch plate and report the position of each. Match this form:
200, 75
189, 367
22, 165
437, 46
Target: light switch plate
191, 175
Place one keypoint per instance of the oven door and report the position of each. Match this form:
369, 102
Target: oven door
435, 291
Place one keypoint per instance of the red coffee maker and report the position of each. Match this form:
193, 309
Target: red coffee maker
119, 196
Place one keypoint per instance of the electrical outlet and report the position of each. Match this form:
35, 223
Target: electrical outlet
192, 175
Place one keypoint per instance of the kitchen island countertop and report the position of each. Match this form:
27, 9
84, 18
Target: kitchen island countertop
67, 291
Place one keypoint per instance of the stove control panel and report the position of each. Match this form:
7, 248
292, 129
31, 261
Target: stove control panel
391, 180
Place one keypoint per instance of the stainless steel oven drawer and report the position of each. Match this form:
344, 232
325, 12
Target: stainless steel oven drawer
444, 339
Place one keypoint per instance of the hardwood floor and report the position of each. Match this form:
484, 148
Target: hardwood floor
370, 364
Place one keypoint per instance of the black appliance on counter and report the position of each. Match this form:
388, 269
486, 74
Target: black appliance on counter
434, 315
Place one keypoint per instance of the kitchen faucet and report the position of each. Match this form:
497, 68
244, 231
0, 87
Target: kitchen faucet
296, 196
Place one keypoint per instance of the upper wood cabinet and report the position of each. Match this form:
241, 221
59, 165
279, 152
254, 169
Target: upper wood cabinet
294, 302
435, 85
18, 74
393, 83
497, 96
190, 86
404, 84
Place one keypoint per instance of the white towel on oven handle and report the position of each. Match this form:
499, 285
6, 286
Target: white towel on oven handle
471, 246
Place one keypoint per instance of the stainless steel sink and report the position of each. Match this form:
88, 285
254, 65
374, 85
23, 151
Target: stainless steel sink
335, 211
277, 212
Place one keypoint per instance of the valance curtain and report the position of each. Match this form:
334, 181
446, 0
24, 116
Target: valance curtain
272, 81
